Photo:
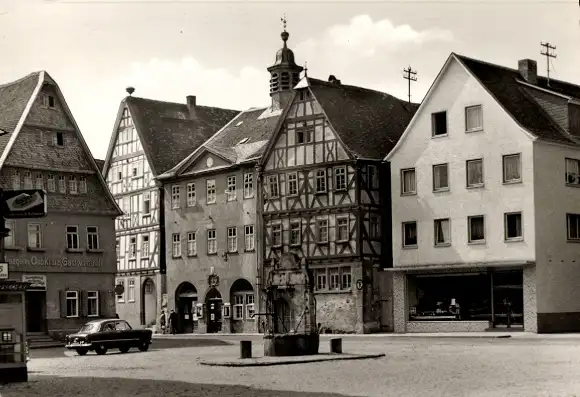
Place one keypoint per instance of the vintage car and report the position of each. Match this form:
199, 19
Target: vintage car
101, 335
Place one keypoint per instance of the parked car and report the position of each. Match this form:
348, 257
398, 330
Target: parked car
101, 335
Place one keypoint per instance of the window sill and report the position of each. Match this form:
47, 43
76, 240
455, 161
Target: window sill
443, 190
474, 130
404, 194
434, 136
514, 182
93, 315
231, 200
334, 291
442, 245
176, 256
320, 193
191, 205
514, 240
35, 249
208, 203
322, 243
192, 255
297, 245
13, 248
480, 186
133, 301
410, 247
478, 242
175, 208
573, 184
73, 316
74, 250
120, 301
292, 195
248, 197
573, 241
340, 190
277, 246
211, 253
232, 253
95, 251
342, 241
251, 250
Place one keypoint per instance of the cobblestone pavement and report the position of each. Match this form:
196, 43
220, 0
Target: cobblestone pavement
418, 367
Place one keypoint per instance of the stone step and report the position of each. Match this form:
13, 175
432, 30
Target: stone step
45, 345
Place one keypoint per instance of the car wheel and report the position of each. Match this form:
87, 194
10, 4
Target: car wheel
144, 347
100, 350
82, 352
124, 349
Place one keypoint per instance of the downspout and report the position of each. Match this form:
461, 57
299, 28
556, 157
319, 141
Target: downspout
259, 245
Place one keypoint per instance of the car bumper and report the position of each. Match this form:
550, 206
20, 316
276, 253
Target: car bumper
78, 345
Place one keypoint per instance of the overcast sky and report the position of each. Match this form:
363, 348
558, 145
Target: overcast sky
219, 50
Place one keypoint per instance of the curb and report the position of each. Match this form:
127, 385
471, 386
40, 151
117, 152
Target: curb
338, 357
46, 346
407, 336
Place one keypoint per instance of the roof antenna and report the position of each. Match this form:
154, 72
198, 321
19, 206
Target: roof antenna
130, 90
548, 55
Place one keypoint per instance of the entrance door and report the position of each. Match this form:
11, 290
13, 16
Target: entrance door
508, 299
214, 315
185, 312
35, 311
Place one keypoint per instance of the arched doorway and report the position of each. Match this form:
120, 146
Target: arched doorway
242, 300
185, 302
213, 304
149, 302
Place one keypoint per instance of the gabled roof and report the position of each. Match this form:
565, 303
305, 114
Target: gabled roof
16, 100
168, 131
368, 122
504, 84
242, 139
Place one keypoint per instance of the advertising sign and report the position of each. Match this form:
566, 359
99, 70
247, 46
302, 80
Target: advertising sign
24, 203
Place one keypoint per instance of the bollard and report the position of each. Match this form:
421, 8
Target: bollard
336, 345
246, 349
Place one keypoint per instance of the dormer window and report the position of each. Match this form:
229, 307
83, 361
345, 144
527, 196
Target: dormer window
304, 95
48, 101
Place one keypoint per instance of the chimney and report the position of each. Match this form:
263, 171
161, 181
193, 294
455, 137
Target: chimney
191, 104
528, 68
332, 79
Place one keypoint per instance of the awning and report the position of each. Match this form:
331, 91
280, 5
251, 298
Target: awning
188, 295
461, 266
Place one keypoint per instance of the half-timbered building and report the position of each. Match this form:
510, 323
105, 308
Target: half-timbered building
212, 262
149, 138
66, 255
326, 197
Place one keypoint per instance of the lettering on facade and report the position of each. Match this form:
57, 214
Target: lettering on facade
47, 262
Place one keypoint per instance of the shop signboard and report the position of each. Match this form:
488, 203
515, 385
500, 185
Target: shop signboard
29, 203
37, 281
3, 271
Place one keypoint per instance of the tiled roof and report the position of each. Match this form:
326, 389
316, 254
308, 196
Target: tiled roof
100, 164
168, 131
14, 97
369, 122
502, 83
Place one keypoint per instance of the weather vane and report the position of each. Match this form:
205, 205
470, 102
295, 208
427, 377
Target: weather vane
284, 21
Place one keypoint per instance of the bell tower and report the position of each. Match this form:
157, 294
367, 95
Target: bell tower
284, 73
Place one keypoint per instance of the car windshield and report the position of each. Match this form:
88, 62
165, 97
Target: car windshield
90, 327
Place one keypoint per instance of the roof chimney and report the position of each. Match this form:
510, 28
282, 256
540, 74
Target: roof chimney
332, 79
191, 105
528, 68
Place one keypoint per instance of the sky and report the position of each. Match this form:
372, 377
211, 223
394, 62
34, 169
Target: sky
219, 50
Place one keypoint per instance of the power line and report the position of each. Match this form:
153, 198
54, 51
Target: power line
548, 55
409, 75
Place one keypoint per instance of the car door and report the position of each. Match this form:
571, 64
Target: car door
124, 331
106, 334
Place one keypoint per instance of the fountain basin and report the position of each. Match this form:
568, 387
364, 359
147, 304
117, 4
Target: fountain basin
295, 344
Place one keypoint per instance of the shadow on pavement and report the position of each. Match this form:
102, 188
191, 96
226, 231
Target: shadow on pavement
49, 386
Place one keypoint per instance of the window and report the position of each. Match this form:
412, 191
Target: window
72, 185
176, 245
175, 196
513, 226
250, 306
72, 303
572, 172
231, 193
273, 190
277, 235
346, 277
211, 242
146, 203
333, 278
573, 226
39, 184
512, 168
473, 118
9, 240
82, 184
27, 180
476, 226
16, 180
340, 178
121, 297
59, 139
293, 184
191, 199
342, 229
320, 279
92, 303
375, 232
61, 184
248, 185
322, 230
439, 123
134, 172
232, 239
408, 181
409, 234
442, 232
211, 192
295, 231
34, 235
131, 290
50, 184
304, 95
304, 134
440, 178
249, 237
191, 244
118, 247
72, 237
238, 307
92, 237
145, 246
474, 170
50, 101
320, 181
132, 247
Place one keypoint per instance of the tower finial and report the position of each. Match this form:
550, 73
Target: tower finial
305, 69
283, 19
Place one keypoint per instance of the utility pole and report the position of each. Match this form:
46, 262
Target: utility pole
548, 55
409, 75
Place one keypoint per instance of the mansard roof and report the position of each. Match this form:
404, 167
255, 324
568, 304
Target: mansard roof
368, 122
170, 131
511, 91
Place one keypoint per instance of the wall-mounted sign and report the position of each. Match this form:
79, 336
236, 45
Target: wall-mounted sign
13, 286
359, 284
24, 203
53, 262
3, 271
119, 289
37, 281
